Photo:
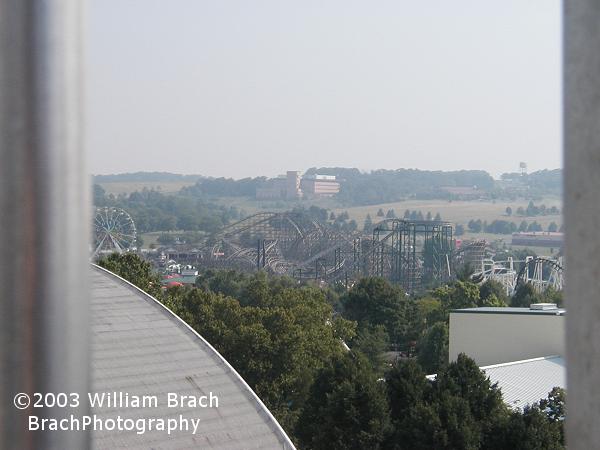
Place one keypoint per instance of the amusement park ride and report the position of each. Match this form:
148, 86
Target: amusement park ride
114, 231
413, 254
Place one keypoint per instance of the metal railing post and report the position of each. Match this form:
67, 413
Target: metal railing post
44, 217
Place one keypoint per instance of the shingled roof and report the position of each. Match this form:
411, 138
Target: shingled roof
140, 347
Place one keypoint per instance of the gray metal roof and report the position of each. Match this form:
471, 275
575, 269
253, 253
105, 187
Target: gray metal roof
139, 347
510, 310
526, 382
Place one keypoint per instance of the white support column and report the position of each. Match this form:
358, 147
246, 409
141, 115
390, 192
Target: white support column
582, 216
43, 217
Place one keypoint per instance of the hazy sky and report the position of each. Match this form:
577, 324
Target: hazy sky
251, 87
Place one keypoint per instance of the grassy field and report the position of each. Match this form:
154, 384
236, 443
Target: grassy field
124, 187
459, 212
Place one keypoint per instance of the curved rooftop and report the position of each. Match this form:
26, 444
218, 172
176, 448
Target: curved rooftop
140, 347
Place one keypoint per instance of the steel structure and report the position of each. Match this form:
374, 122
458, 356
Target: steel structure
285, 243
472, 254
542, 273
114, 231
501, 271
412, 253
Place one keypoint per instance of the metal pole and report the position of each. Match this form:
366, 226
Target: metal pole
582, 215
44, 217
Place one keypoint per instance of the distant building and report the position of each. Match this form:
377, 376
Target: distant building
538, 239
320, 185
292, 187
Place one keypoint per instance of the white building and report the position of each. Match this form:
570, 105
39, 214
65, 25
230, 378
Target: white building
501, 335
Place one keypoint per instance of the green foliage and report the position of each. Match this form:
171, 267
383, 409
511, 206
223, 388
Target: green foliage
276, 337
347, 408
154, 211
460, 294
368, 225
230, 283
385, 186
422, 314
134, 269
459, 410
372, 342
374, 301
433, 348
475, 226
492, 293
524, 296
224, 187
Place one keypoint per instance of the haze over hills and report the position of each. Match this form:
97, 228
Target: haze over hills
361, 188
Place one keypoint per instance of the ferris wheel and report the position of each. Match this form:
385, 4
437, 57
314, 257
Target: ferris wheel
114, 231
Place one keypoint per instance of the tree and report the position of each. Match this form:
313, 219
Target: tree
332, 216
99, 195
464, 379
374, 301
460, 294
432, 351
372, 342
524, 296
508, 211
492, 288
428, 216
523, 226
407, 390
532, 210
347, 408
135, 270
277, 342
407, 214
380, 213
438, 217
390, 214
552, 227
527, 430
475, 226
459, 229
368, 226
465, 272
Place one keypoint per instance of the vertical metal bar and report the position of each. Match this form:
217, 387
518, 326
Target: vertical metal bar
44, 215
582, 215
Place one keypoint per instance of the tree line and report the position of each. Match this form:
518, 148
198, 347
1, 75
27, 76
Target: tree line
153, 211
508, 227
